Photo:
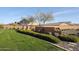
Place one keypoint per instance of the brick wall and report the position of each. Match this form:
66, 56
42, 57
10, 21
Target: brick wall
45, 29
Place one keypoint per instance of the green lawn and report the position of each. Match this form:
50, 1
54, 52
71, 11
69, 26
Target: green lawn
11, 40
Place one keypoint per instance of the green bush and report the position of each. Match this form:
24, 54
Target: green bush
69, 38
47, 37
53, 38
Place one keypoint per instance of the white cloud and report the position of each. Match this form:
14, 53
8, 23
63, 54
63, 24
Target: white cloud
66, 12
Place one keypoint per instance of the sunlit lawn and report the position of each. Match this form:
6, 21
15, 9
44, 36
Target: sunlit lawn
14, 41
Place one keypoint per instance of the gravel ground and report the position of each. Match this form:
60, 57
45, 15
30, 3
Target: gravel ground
69, 45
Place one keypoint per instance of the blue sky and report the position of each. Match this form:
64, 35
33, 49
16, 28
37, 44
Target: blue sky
61, 14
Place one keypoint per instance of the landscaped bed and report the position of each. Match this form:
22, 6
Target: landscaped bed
46, 37
53, 39
69, 38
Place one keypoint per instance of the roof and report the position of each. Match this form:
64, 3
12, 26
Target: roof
76, 24
57, 24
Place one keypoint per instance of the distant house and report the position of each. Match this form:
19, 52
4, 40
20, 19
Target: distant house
30, 26
52, 28
12, 26
20, 26
63, 27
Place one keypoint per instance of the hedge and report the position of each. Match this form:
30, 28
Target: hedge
69, 38
46, 37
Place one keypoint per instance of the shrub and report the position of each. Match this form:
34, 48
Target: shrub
46, 37
69, 38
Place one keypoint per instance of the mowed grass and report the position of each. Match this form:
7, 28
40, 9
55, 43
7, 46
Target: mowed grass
10, 40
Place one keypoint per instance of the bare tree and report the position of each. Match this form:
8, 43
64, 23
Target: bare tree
42, 18
31, 20
24, 21
27, 20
